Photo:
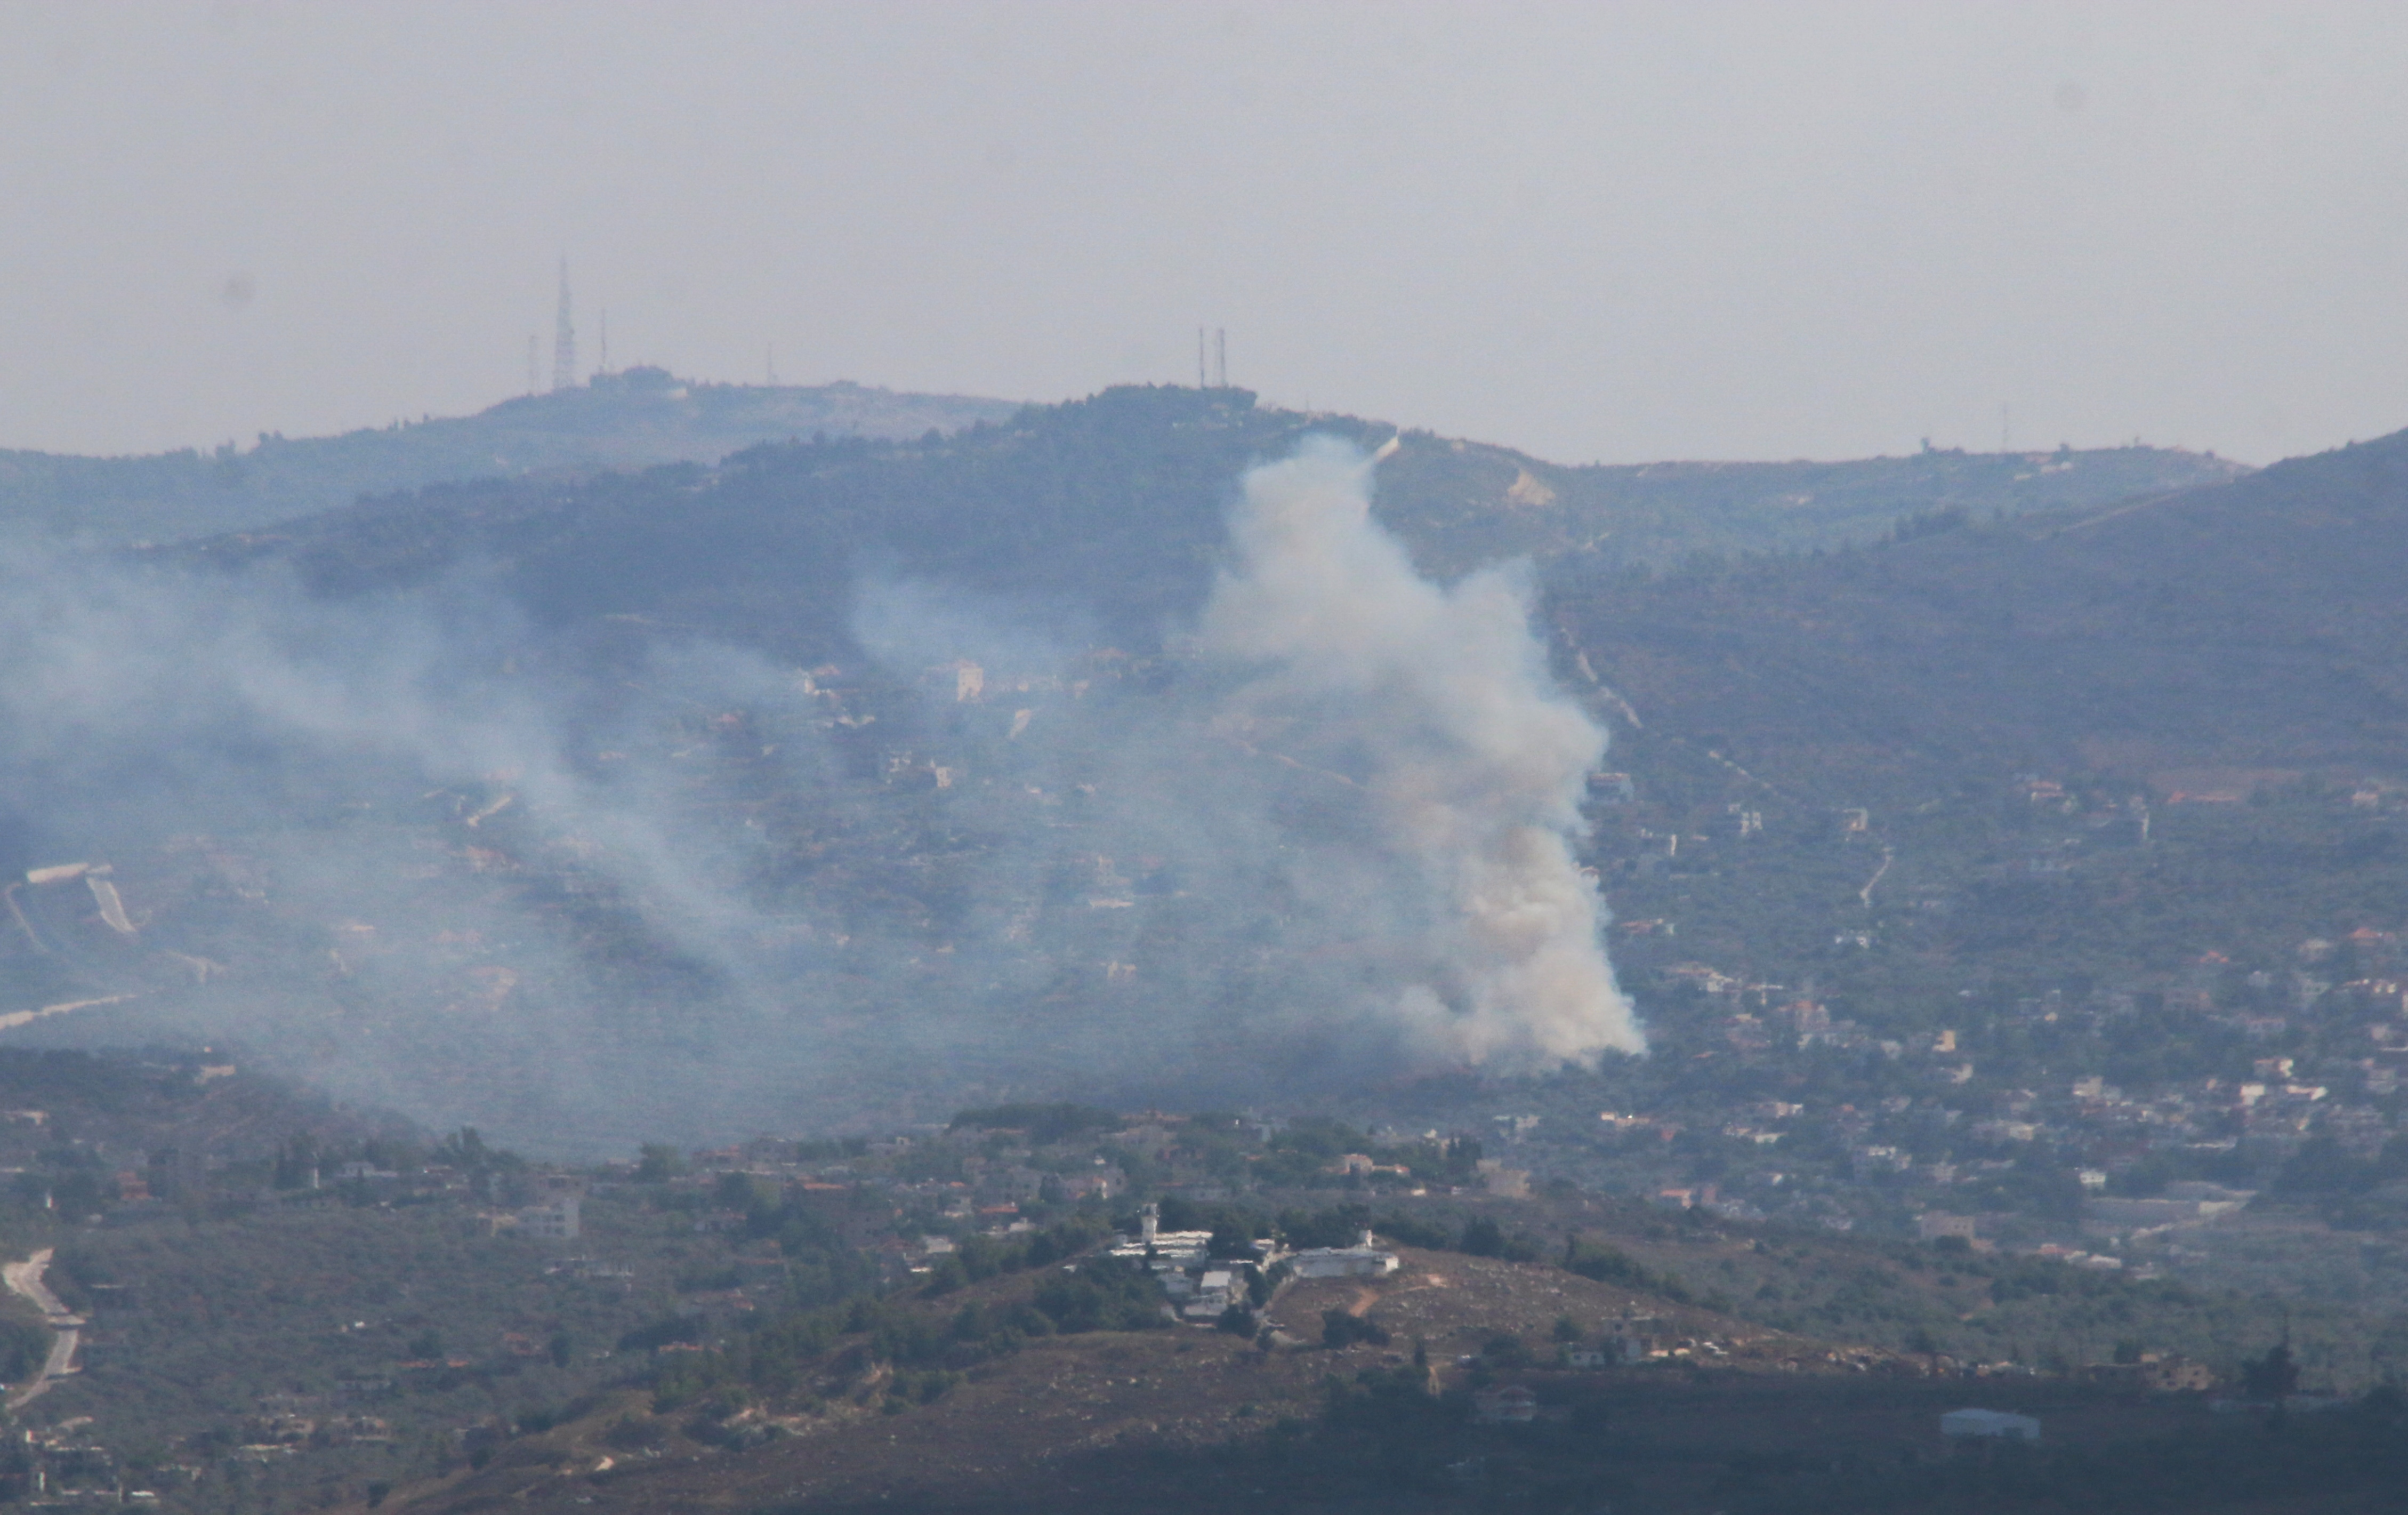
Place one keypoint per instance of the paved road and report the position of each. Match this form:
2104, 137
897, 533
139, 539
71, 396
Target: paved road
26, 1279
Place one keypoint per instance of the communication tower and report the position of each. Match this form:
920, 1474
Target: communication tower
564, 339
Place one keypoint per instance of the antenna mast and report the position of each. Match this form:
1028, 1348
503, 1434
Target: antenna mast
1200, 381
564, 339
1220, 357
602, 364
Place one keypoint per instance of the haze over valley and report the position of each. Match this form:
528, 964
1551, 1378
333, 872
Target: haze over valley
791, 760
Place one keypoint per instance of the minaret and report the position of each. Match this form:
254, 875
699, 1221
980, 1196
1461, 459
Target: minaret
563, 340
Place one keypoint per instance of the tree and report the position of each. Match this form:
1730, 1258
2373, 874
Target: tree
2272, 1378
1505, 1350
1341, 1330
297, 1163
1482, 1237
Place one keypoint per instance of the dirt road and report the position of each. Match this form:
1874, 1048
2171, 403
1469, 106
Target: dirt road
25, 1278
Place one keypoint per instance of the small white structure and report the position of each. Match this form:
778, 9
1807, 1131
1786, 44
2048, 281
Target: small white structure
1990, 1422
1361, 1260
1511, 1404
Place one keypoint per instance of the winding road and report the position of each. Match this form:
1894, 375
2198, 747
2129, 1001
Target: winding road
26, 1279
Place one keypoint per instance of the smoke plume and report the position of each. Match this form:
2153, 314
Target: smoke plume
1436, 702
431, 852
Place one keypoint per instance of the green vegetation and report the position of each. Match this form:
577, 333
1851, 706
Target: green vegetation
838, 1345
1611, 1264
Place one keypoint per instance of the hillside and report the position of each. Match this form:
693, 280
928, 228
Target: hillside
1195, 1419
822, 1325
845, 828
628, 420
1722, 1416
2247, 624
516, 838
1093, 1416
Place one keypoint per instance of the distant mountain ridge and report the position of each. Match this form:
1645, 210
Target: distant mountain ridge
1113, 505
645, 417
633, 419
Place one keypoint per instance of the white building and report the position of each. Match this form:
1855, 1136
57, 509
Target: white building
1988, 1423
1933, 1224
1215, 1293
1361, 1260
554, 1221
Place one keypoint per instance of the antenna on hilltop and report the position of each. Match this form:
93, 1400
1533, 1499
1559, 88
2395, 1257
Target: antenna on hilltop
1220, 357
1200, 381
602, 364
564, 339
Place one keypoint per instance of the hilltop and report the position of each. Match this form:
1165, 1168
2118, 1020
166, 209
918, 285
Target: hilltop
631, 419
1108, 512
1477, 500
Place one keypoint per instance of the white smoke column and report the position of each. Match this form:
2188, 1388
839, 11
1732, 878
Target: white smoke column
1473, 762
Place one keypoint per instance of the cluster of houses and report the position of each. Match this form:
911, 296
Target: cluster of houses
65, 1465
2328, 1061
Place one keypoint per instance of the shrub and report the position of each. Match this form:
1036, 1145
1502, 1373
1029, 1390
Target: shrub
1341, 1330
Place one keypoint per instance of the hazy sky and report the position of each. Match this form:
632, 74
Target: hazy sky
1596, 231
